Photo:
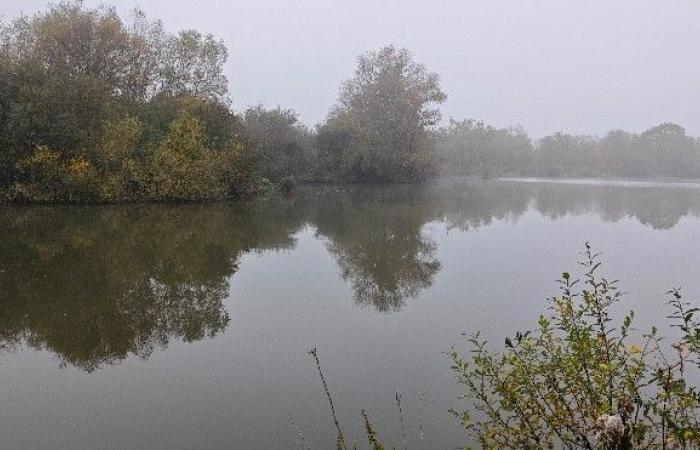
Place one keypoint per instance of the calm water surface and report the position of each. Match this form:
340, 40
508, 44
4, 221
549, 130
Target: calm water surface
177, 327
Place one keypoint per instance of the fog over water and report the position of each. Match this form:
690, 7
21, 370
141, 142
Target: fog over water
549, 65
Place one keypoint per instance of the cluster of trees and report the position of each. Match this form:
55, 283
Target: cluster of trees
384, 128
379, 129
96, 108
661, 151
285, 146
474, 148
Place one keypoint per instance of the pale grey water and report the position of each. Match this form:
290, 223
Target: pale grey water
188, 326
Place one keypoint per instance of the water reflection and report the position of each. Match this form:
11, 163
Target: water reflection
376, 236
470, 205
658, 207
97, 285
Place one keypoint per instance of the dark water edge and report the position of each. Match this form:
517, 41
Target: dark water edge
180, 326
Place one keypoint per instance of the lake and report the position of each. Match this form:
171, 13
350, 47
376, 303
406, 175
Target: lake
177, 327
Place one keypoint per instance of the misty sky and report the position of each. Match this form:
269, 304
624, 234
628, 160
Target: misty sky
548, 65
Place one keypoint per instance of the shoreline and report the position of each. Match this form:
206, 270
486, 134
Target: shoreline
682, 183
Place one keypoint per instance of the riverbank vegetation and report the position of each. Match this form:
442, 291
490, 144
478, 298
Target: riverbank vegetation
99, 108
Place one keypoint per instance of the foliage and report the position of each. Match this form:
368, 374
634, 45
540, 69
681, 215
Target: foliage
285, 146
378, 129
582, 381
473, 148
106, 96
51, 177
105, 92
122, 162
183, 167
193, 63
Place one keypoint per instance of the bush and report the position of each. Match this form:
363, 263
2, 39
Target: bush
183, 167
285, 146
124, 172
50, 177
579, 380
240, 170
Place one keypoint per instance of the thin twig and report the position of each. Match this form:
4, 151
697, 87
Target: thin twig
421, 434
401, 421
341, 439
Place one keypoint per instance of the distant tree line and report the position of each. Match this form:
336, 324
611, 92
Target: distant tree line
385, 128
473, 148
96, 108
382, 148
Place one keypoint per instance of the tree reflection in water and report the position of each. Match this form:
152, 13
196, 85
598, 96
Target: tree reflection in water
96, 285
376, 236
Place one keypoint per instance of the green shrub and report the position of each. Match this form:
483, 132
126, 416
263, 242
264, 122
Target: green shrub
183, 167
240, 170
50, 177
123, 169
583, 380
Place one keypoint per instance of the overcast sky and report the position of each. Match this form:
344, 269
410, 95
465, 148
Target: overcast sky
548, 65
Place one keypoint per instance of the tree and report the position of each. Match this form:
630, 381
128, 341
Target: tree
193, 63
385, 109
123, 165
285, 146
669, 148
471, 147
183, 167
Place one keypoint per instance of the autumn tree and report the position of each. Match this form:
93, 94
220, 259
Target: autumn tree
382, 117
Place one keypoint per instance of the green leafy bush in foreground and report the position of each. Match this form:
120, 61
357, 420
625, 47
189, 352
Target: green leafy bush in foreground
583, 380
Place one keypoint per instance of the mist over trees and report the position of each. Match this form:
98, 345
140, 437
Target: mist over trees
98, 108
661, 151
285, 146
473, 148
470, 147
